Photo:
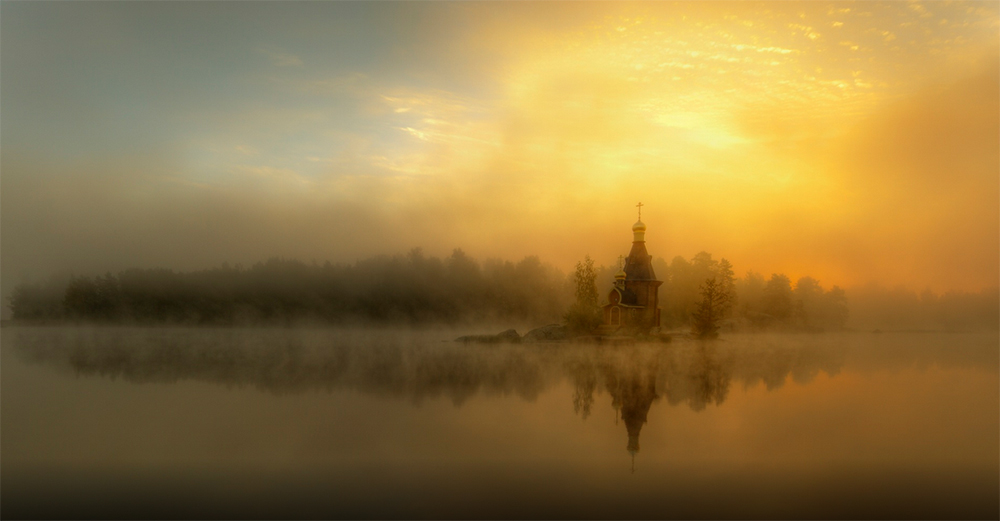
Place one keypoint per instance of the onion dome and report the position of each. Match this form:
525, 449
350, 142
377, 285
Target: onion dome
620, 275
639, 231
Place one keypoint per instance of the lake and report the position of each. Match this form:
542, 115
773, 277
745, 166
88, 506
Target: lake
121, 422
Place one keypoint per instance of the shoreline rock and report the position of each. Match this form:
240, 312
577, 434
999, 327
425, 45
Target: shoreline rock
549, 333
509, 336
557, 333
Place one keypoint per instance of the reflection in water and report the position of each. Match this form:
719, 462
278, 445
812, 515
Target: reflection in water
904, 427
636, 380
632, 394
417, 367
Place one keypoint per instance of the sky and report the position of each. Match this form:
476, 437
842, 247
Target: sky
853, 142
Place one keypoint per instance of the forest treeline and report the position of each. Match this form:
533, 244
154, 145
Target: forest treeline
411, 288
753, 302
418, 289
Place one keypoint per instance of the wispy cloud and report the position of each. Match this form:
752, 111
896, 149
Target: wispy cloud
724, 118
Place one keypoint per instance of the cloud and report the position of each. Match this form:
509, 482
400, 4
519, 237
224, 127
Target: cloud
751, 141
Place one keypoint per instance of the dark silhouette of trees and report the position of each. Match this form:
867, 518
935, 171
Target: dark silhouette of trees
681, 288
41, 302
681, 293
751, 291
807, 294
832, 311
778, 299
774, 304
410, 289
99, 299
415, 288
816, 309
584, 315
727, 280
716, 301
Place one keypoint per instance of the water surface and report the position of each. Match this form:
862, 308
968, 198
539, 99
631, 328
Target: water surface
321, 423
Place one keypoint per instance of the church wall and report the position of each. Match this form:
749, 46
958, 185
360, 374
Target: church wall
646, 292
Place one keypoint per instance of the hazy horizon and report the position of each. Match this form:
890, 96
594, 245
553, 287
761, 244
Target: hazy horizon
850, 142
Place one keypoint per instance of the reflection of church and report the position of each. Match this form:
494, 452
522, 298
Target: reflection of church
633, 301
632, 394
636, 378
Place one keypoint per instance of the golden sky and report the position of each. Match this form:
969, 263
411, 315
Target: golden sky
853, 142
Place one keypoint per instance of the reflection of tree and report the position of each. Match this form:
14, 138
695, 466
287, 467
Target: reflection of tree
282, 362
415, 367
709, 380
585, 383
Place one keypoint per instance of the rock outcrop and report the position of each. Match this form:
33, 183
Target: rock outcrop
549, 333
509, 336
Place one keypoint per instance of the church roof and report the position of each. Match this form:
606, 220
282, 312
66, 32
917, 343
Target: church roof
639, 264
628, 297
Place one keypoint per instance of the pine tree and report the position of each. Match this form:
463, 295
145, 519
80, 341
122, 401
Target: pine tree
715, 302
727, 281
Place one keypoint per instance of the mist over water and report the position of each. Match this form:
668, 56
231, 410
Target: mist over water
277, 423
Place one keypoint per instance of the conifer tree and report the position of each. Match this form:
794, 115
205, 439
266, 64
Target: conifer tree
727, 281
715, 301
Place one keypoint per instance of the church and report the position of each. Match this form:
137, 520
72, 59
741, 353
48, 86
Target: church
633, 303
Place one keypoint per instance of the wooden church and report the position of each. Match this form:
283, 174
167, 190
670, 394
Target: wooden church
633, 303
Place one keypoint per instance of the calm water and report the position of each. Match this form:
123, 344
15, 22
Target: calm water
251, 423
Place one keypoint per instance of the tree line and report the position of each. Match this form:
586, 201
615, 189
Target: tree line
412, 288
705, 293
701, 293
